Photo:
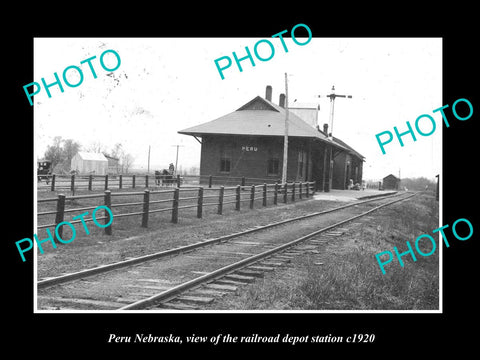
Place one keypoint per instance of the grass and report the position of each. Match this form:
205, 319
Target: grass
129, 239
350, 278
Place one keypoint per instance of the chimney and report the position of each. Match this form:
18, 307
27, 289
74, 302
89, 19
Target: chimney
281, 101
268, 93
325, 129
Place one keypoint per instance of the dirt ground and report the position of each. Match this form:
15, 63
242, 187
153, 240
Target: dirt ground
129, 239
347, 276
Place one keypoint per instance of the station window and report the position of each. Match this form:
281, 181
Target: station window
273, 166
225, 163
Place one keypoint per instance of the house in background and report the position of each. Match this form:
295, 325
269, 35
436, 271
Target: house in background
249, 142
391, 182
86, 163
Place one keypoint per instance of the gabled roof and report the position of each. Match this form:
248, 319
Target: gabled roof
111, 157
261, 117
391, 176
258, 117
351, 150
92, 156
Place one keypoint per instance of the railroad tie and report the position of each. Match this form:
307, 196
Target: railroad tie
224, 281
178, 306
250, 272
240, 278
207, 291
272, 263
260, 268
222, 287
194, 299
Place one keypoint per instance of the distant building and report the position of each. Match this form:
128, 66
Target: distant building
249, 142
113, 166
391, 182
86, 163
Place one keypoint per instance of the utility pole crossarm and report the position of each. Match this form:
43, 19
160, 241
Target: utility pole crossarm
332, 97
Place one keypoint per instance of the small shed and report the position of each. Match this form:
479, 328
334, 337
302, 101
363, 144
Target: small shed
391, 182
113, 165
89, 163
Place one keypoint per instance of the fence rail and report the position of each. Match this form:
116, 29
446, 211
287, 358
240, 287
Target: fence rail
179, 199
125, 181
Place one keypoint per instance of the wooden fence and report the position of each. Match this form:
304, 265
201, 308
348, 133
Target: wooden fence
95, 182
175, 199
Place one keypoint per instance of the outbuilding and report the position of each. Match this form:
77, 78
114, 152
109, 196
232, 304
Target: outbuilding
87, 163
391, 182
113, 165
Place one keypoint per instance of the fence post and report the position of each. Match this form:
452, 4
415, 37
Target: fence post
60, 214
146, 181
176, 195
379, 185
90, 179
133, 181
243, 180
106, 182
146, 207
252, 196
293, 191
275, 194
307, 189
178, 181
300, 190
120, 180
264, 194
72, 183
108, 203
200, 203
220, 200
52, 188
285, 191
210, 181
237, 198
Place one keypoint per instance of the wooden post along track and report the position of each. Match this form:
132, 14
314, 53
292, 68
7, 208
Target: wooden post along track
189, 285
41, 284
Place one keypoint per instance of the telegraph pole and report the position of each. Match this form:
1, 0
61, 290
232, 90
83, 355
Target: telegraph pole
285, 138
148, 166
332, 97
176, 159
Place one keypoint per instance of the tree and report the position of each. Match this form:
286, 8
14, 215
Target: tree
54, 152
127, 162
125, 159
95, 147
61, 153
117, 151
70, 149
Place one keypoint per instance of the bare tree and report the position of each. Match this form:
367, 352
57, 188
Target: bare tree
95, 147
117, 151
61, 153
127, 162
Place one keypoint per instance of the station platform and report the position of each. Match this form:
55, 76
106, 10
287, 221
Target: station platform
351, 195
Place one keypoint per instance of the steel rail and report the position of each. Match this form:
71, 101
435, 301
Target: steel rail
219, 273
126, 263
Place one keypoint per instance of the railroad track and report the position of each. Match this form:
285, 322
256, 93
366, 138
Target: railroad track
185, 279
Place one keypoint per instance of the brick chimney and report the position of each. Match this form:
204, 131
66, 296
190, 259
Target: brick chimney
325, 129
268, 93
281, 101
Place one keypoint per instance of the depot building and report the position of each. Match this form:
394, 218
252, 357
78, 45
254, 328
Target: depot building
249, 142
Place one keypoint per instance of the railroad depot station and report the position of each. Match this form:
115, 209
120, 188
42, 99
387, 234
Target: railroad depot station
249, 142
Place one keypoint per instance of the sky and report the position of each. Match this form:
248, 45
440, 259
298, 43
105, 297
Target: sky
164, 85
